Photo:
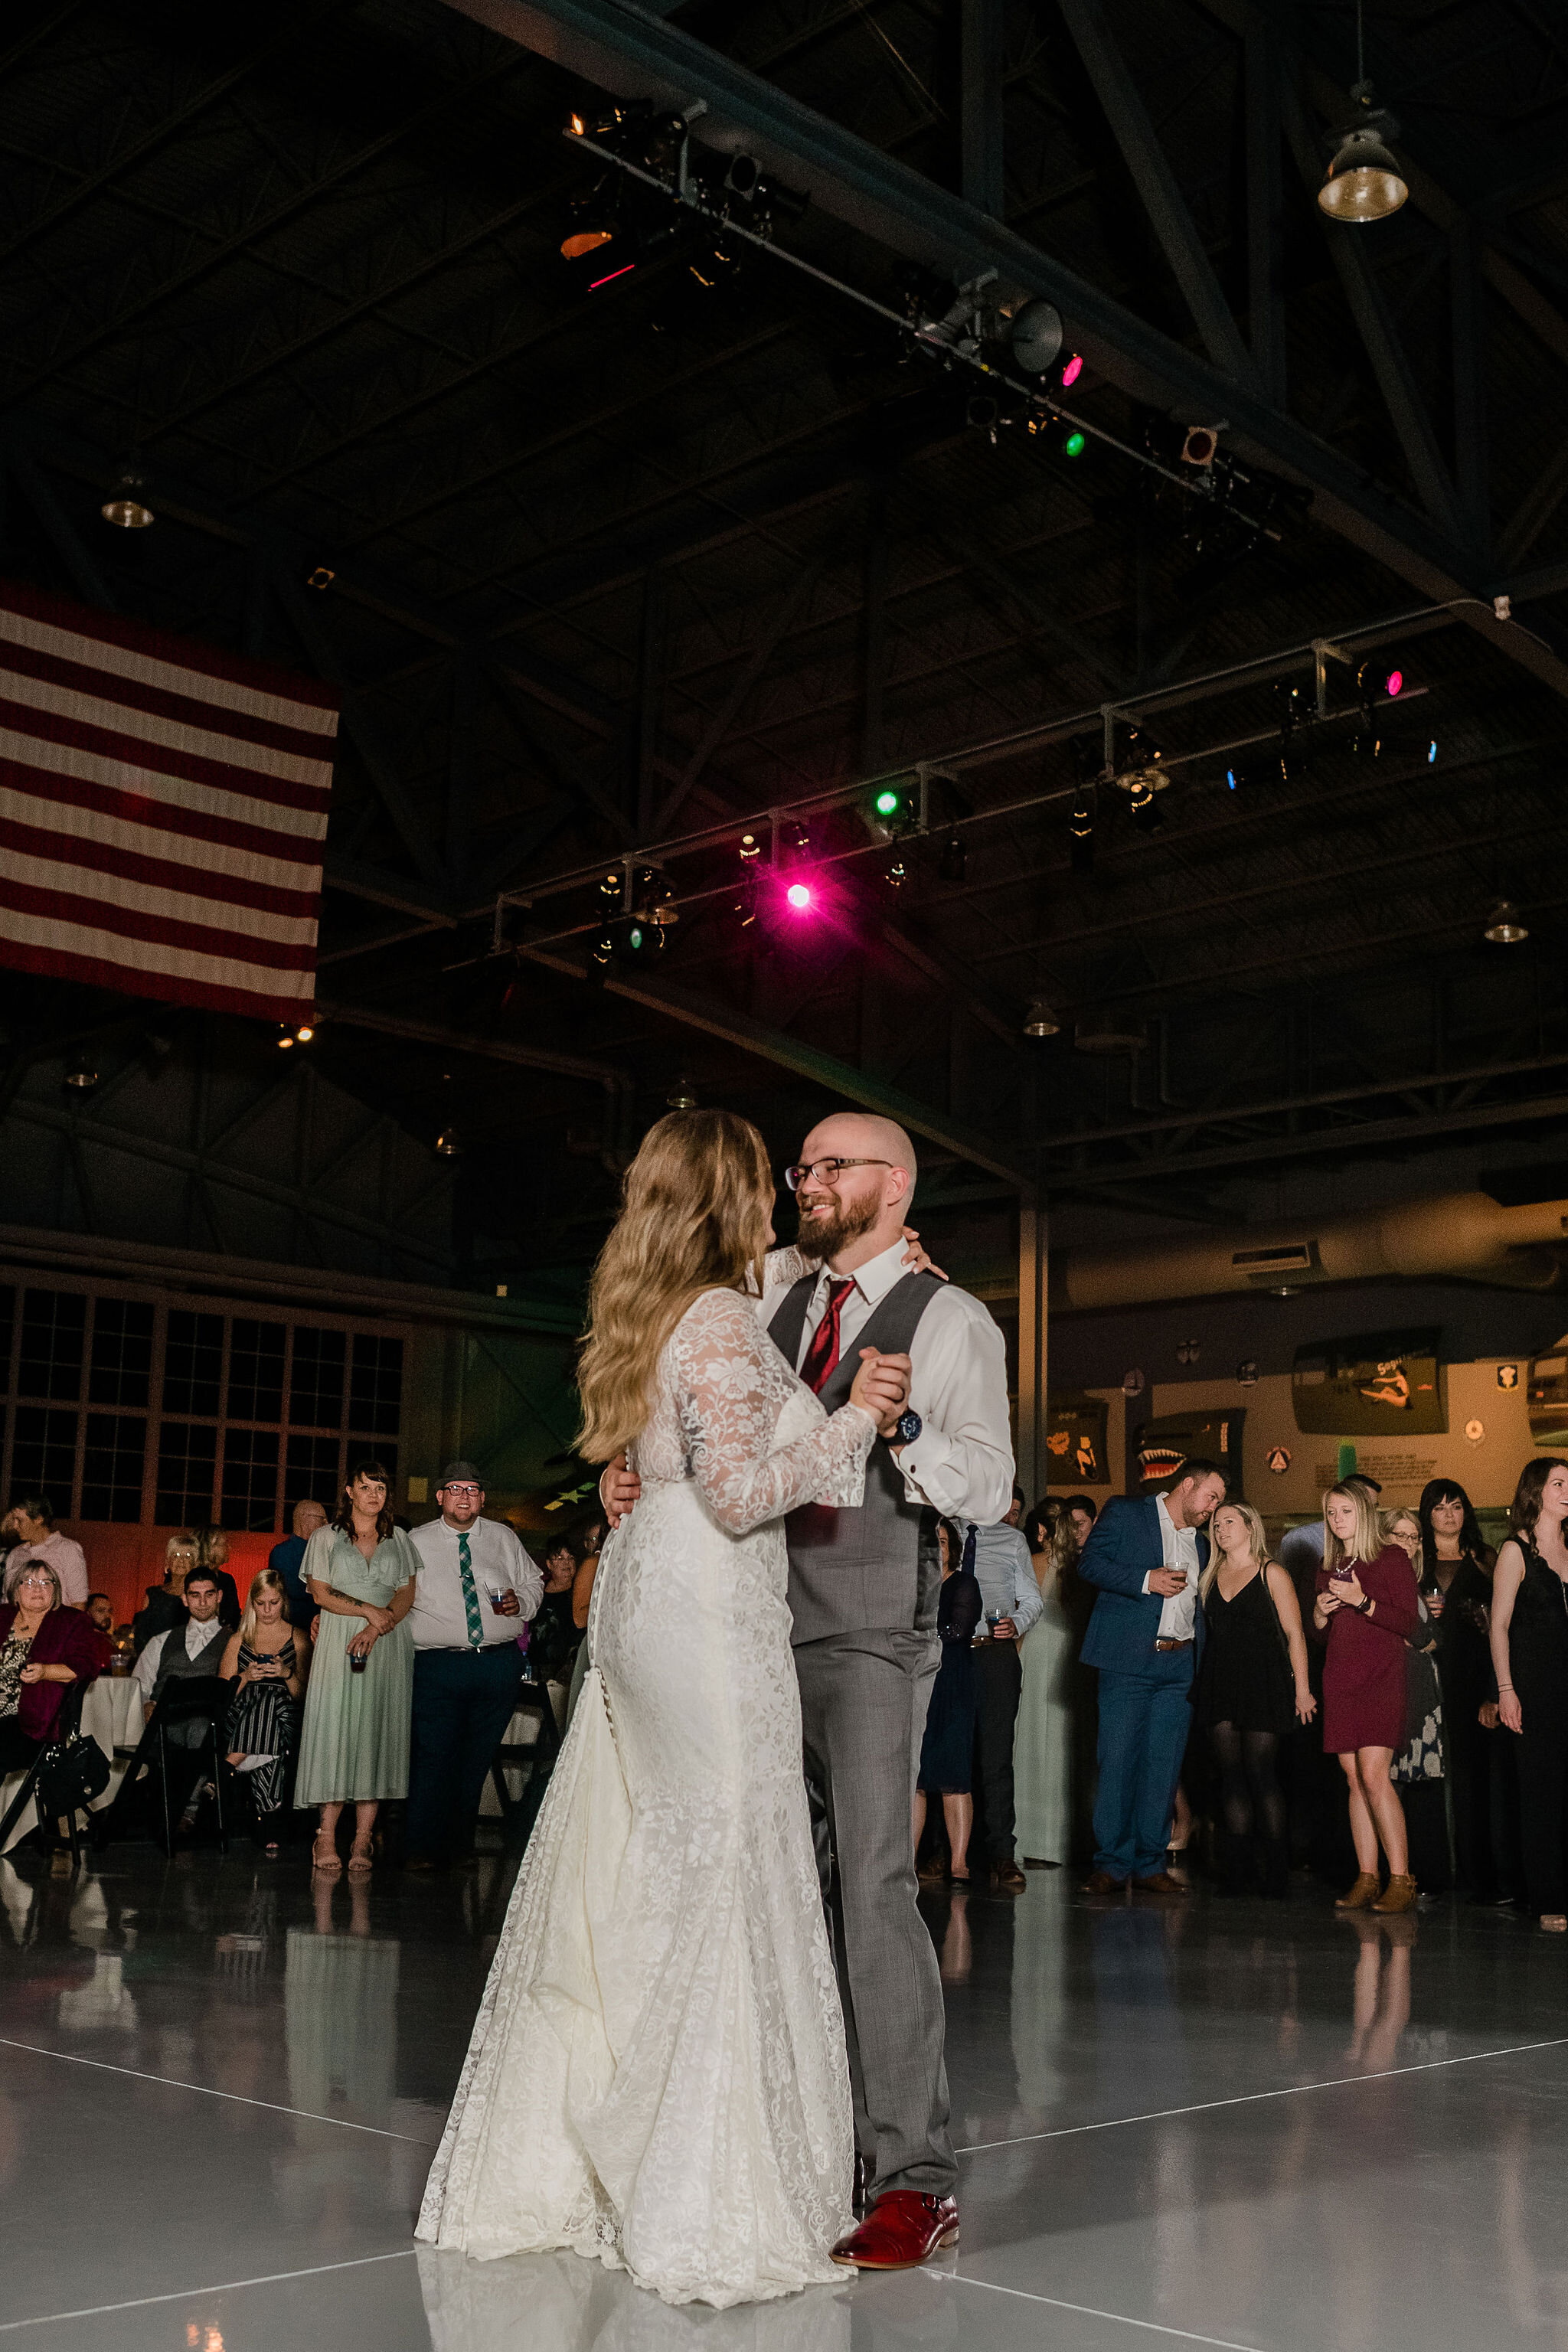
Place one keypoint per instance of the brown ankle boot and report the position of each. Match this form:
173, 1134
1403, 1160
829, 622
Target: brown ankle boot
1362, 1894
1400, 1894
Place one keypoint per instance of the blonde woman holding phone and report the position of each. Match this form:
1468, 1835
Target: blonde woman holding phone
1368, 1606
1252, 1691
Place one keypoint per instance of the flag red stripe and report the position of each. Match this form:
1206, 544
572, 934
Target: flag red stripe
75, 856
79, 735
161, 645
131, 923
136, 808
166, 988
184, 709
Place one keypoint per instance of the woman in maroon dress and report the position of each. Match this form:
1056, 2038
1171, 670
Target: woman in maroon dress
1367, 1604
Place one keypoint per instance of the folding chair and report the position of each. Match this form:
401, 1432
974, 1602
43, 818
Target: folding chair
67, 1726
518, 1813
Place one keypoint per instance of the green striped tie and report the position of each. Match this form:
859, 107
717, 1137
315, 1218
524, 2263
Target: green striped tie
471, 1595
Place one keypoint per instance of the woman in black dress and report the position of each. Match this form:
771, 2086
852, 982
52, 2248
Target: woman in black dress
1457, 1586
1252, 1689
947, 1751
267, 1660
1529, 1652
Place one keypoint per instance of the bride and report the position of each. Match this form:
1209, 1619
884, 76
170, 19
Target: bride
657, 2074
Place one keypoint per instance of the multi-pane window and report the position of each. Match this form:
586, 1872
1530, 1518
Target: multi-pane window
124, 1409
111, 1465
193, 1363
187, 1470
122, 1353
256, 1369
250, 1477
375, 1393
53, 1325
315, 1381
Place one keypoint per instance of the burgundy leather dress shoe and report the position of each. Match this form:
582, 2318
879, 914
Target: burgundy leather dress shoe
1100, 1882
902, 2230
1160, 1883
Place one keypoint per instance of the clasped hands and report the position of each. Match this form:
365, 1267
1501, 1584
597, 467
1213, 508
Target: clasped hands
377, 1621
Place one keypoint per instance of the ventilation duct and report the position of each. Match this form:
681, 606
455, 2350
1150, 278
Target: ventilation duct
1456, 1234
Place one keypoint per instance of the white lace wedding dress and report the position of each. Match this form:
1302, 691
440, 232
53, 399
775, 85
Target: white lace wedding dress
657, 2074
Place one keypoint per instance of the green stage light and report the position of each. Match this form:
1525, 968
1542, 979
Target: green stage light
1075, 443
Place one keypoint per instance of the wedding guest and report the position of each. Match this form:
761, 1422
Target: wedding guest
1530, 1654
353, 1748
585, 1551
190, 1650
288, 1559
1011, 1598
947, 1749
165, 1604
1366, 1603
266, 1659
1421, 1767
212, 1551
1252, 1690
1083, 1511
100, 1609
1042, 1749
44, 1647
33, 1519
1458, 1564
556, 1633
477, 1589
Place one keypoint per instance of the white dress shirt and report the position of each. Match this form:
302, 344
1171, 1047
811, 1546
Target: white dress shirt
1179, 1549
438, 1619
1005, 1575
196, 1639
64, 1555
962, 1461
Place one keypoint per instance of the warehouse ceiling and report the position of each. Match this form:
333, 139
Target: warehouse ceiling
612, 574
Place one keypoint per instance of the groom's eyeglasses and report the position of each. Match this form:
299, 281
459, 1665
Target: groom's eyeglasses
826, 1171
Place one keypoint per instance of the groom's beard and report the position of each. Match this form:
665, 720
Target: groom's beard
826, 1236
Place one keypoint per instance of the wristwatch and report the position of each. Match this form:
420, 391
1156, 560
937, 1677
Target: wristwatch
907, 1428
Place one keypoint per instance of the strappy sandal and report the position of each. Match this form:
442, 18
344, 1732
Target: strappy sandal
361, 1863
331, 1863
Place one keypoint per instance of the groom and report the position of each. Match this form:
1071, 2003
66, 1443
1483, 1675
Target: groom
863, 1594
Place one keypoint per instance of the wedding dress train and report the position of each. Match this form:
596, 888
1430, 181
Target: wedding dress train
657, 2074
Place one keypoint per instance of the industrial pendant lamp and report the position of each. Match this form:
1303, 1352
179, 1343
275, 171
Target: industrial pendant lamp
1363, 181
1504, 928
125, 506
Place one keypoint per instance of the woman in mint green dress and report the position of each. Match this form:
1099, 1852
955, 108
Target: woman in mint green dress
353, 1749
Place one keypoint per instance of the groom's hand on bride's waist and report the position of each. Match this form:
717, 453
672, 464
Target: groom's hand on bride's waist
619, 1488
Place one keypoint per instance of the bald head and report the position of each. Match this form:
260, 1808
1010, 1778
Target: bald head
862, 1212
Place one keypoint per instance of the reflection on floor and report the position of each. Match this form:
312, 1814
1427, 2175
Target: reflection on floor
1245, 2123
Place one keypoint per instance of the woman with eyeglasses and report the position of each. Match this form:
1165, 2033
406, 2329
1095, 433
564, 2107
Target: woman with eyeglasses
44, 1648
1529, 1652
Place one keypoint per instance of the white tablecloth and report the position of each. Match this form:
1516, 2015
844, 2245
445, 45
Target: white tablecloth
112, 1714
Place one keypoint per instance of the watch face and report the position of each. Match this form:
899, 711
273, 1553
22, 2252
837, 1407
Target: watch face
910, 1426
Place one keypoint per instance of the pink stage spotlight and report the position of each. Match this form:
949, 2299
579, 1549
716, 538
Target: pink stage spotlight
799, 896
1395, 682
1071, 370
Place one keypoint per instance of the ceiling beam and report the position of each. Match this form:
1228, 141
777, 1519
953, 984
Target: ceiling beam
632, 54
461, 1041
708, 1014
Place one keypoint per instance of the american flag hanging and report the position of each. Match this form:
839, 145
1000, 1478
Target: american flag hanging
162, 808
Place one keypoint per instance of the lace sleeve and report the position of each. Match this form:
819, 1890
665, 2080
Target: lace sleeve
733, 1384
783, 1266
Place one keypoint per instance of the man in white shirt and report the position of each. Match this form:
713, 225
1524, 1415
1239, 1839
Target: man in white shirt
1145, 1637
33, 1519
189, 1651
475, 1590
1010, 1595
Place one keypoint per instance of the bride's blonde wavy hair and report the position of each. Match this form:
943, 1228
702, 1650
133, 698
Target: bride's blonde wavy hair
694, 1217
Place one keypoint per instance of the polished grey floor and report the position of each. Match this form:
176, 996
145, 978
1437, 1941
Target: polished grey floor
1249, 2125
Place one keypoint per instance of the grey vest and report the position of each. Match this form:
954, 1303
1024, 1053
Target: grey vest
176, 1665
878, 1566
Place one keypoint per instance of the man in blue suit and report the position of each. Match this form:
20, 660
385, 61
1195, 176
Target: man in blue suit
1145, 1636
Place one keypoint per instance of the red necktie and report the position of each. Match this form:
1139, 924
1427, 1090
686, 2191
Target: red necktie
822, 1356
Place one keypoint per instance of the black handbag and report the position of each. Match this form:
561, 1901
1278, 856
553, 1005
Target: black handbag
71, 1773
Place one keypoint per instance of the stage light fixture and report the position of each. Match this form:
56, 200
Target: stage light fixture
682, 1095
1037, 337
321, 579
1040, 1020
1431, 751
1072, 368
125, 506
794, 838
1201, 446
895, 873
285, 1040
305, 1032
654, 896
895, 810
604, 947
799, 896
751, 847
1504, 927
81, 1074
1080, 826
953, 863
448, 1143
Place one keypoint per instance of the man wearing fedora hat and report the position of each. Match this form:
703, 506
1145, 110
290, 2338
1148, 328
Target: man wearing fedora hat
475, 1590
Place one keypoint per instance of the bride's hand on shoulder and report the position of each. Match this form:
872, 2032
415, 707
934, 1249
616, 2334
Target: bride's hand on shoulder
881, 1388
918, 1260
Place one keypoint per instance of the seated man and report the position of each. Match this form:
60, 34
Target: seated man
190, 1652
